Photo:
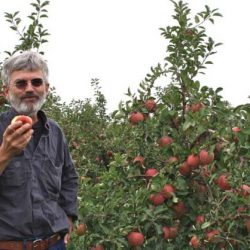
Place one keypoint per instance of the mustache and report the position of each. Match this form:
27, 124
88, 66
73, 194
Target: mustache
29, 96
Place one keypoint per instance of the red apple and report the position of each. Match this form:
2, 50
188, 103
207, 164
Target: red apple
223, 182
210, 236
241, 209
179, 209
135, 239
245, 190
194, 242
110, 153
81, 229
185, 169
195, 107
190, 32
23, 118
193, 161
157, 199
165, 141
205, 157
172, 159
168, 191
236, 129
199, 219
136, 117
169, 232
151, 172
139, 159
150, 105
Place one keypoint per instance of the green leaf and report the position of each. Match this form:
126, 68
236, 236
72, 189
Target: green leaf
205, 225
208, 62
197, 19
218, 90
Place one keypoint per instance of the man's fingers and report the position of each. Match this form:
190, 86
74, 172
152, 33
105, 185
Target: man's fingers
66, 239
23, 129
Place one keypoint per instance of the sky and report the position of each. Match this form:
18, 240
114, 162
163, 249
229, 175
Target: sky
118, 41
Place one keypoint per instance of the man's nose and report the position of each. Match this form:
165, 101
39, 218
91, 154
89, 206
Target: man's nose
29, 87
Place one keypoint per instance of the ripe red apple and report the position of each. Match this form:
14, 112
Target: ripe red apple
185, 169
199, 219
165, 141
81, 229
205, 157
195, 107
172, 159
193, 161
194, 242
139, 159
190, 32
241, 209
135, 239
211, 235
151, 172
150, 105
179, 209
157, 199
136, 117
245, 190
223, 182
23, 118
110, 153
236, 129
169, 232
168, 191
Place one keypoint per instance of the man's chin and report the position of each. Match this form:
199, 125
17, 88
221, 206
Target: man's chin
27, 109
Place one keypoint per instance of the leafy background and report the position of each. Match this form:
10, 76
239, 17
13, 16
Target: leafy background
115, 196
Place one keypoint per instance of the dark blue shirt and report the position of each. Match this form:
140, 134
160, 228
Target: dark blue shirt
38, 188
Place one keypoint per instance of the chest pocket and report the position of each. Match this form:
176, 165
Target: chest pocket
49, 176
15, 174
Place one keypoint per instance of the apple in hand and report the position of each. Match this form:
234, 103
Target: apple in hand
23, 118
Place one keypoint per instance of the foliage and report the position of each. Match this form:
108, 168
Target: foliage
196, 117
33, 36
112, 154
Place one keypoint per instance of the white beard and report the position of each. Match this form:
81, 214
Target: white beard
24, 108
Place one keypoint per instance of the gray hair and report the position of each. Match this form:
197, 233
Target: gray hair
28, 60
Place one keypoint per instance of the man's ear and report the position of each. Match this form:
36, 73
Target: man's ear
5, 90
47, 88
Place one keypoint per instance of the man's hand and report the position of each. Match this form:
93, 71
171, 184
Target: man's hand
71, 228
15, 139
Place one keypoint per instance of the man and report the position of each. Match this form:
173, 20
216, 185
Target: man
38, 181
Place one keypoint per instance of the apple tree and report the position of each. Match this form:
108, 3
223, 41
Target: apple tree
178, 173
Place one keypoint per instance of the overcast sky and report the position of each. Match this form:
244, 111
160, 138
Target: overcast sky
118, 41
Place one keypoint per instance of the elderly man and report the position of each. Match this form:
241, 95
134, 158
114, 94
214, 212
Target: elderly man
38, 181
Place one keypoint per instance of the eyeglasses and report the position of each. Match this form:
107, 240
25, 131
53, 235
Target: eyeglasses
22, 84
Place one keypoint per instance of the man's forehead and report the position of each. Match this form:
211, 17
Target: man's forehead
25, 74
